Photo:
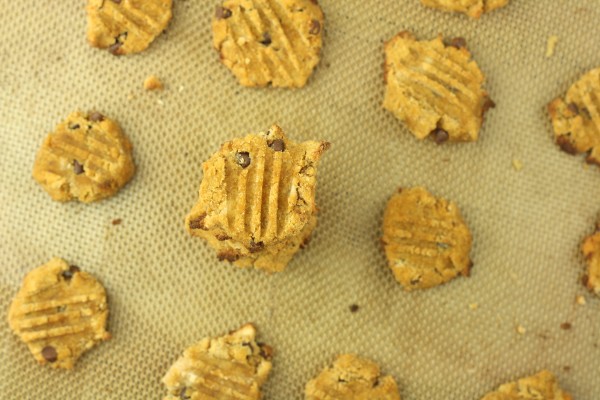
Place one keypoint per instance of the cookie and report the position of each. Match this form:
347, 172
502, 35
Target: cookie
352, 377
233, 366
60, 312
435, 88
542, 386
256, 205
576, 117
87, 157
269, 42
591, 252
126, 26
473, 8
426, 240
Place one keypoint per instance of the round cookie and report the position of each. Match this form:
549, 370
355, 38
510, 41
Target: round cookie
233, 366
426, 241
256, 203
434, 88
126, 26
576, 120
591, 252
351, 377
542, 386
87, 157
269, 42
60, 312
473, 8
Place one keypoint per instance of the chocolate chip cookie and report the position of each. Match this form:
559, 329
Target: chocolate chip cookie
60, 312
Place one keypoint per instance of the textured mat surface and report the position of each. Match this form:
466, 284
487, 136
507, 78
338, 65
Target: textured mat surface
167, 290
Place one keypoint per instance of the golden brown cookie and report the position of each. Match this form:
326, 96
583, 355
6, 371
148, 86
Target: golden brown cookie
426, 241
473, 8
256, 205
352, 377
87, 157
576, 118
233, 366
591, 251
434, 88
126, 26
60, 312
542, 386
269, 42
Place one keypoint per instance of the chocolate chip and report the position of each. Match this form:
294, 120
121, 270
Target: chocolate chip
96, 117
49, 353
459, 43
68, 273
266, 352
77, 167
198, 223
255, 247
573, 108
228, 255
585, 280
489, 103
565, 145
440, 136
114, 48
243, 159
277, 145
222, 13
315, 27
73, 126
354, 308
222, 237
565, 326
266, 39
183, 395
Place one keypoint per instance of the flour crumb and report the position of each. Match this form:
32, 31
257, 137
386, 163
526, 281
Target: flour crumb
552, 40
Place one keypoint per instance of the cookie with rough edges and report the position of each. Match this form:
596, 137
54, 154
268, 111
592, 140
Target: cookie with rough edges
256, 203
351, 377
233, 366
473, 8
269, 42
542, 386
434, 88
126, 26
576, 117
591, 252
60, 312
426, 240
87, 158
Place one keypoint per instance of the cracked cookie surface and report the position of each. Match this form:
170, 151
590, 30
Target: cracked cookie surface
233, 366
542, 386
256, 203
472, 8
352, 377
126, 26
426, 240
269, 42
434, 88
87, 157
60, 312
591, 252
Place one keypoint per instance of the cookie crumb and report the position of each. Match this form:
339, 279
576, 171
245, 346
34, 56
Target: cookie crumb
473, 306
117, 221
551, 45
580, 300
160, 102
517, 164
180, 89
354, 308
565, 326
153, 83
521, 330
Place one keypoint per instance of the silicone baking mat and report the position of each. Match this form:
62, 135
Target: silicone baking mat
167, 290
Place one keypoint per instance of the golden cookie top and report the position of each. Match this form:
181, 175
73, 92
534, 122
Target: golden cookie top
472, 8
542, 386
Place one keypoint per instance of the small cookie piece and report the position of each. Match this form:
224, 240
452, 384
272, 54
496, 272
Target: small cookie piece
274, 42
426, 240
542, 386
60, 312
126, 26
256, 205
87, 157
233, 366
473, 8
576, 118
352, 377
153, 83
591, 252
434, 88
